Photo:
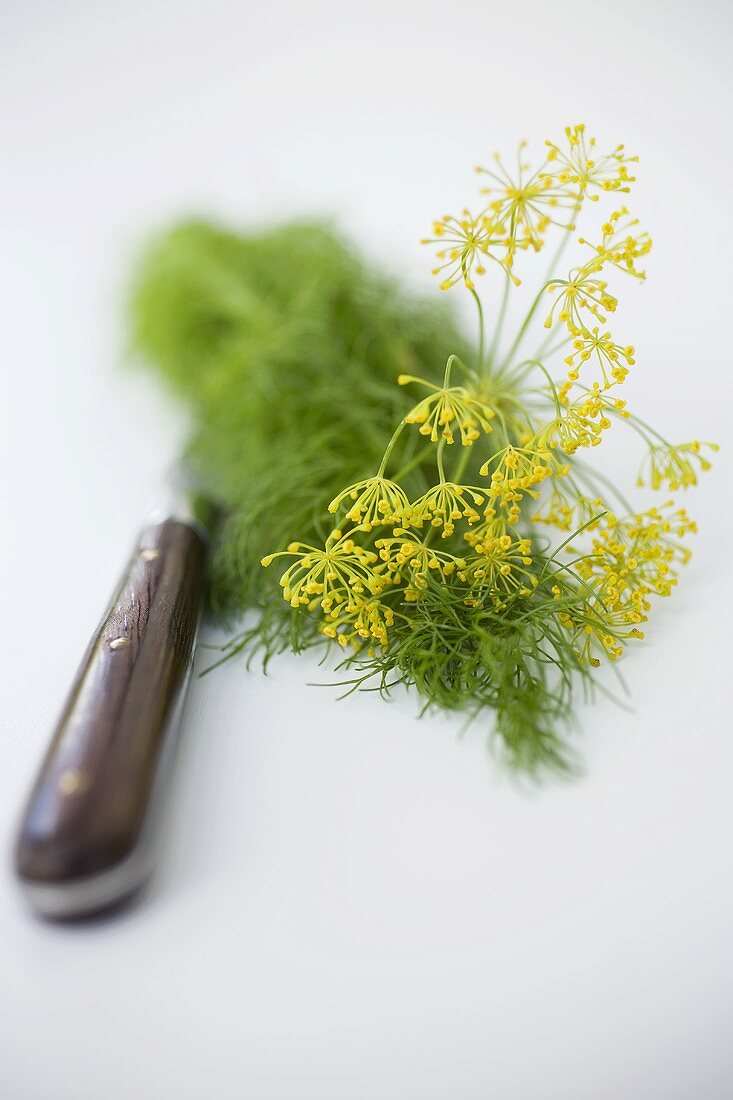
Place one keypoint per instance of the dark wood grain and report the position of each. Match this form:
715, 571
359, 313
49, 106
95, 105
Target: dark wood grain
89, 804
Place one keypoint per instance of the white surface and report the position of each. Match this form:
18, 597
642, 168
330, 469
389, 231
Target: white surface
353, 903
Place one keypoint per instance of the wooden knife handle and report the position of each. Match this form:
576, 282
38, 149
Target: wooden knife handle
83, 843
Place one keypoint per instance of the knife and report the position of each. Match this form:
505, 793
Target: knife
86, 841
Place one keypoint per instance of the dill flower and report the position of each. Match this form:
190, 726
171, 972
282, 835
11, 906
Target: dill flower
674, 466
516, 471
408, 551
634, 557
613, 359
443, 505
447, 409
371, 502
619, 247
526, 205
582, 290
463, 243
501, 566
579, 425
579, 166
594, 630
591, 413
568, 510
501, 561
327, 574
359, 619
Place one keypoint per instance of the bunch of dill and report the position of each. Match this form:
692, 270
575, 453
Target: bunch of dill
434, 565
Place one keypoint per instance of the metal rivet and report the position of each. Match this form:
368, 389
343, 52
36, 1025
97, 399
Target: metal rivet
72, 781
150, 555
119, 643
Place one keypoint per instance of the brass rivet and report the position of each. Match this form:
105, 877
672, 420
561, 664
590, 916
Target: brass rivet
72, 781
150, 555
119, 643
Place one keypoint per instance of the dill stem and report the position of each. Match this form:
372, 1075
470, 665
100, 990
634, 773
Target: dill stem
415, 461
385, 458
548, 278
499, 323
460, 468
541, 366
481, 329
507, 361
439, 460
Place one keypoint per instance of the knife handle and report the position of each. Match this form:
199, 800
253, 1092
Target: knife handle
84, 839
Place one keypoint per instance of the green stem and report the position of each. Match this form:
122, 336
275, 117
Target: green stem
439, 460
507, 360
533, 308
460, 468
413, 463
481, 330
499, 322
385, 458
541, 366
542, 349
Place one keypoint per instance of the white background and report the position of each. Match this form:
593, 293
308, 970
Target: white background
353, 903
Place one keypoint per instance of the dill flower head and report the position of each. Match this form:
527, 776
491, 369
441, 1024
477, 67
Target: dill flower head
528, 203
517, 471
408, 552
634, 557
445, 504
674, 466
324, 575
463, 243
578, 165
358, 619
371, 502
618, 247
501, 565
592, 344
446, 410
568, 510
582, 292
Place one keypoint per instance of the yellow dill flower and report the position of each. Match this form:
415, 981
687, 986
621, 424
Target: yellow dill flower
579, 166
327, 574
447, 409
613, 359
581, 291
359, 619
576, 427
630, 559
582, 423
527, 205
634, 557
442, 505
502, 564
562, 512
674, 466
516, 471
464, 242
618, 246
596, 630
373, 501
407, 551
